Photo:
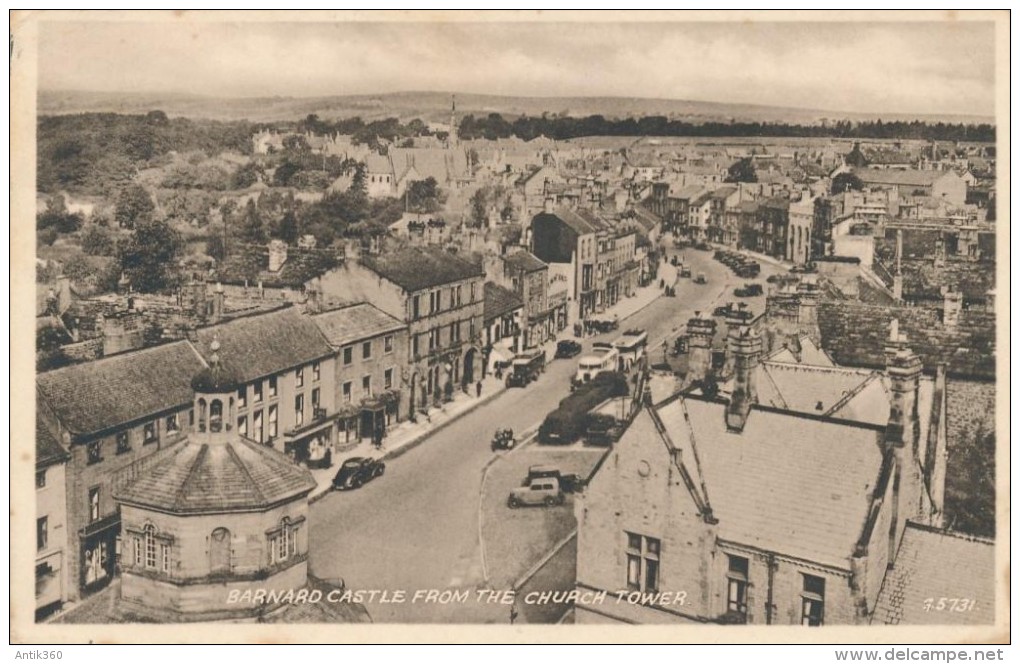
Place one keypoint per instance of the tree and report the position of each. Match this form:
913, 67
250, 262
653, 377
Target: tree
285, 172
425, 196
479, 207
251, 229
244, 177
287, 229
742, 171
97, 241
214, 247
149, 256
134, 206
845, 182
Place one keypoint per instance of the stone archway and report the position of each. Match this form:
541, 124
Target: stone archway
468, 373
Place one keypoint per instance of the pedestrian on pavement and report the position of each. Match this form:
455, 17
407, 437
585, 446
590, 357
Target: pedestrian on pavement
478, 388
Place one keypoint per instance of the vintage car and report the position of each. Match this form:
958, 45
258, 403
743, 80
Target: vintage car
748, 290
503, 440
567, 348
525, 368
602, 429
539, 491
700, 279
569, 482
355, 471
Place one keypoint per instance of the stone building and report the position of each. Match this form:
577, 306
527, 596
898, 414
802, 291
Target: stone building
754, 505
524, 274
50, 522
371, 369
285, 367
110, 414
439, 296
213, 515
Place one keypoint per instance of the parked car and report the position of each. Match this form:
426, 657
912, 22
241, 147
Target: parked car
723, 310
567, 348
540, 491
603, 429
685, 272
748, 290
356, 471
748, 270
569, 482
700, 279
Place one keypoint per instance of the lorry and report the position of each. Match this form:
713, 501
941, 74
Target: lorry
525, 368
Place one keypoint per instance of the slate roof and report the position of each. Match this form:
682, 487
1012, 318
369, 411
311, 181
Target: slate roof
788, 483
930, 565
723, 192
355, 323
377, 163
96, 396
499, 301
898, 177
685, 193
524, 261
416, 268
257, 346
48, 451
581, 221
238, 475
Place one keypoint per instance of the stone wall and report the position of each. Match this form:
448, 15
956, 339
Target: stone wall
855, 335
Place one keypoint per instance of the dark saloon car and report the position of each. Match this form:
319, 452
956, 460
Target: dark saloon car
568, 348
356, 471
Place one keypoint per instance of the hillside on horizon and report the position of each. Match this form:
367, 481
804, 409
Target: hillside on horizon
435, 106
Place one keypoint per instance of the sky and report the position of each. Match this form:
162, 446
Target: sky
946, 67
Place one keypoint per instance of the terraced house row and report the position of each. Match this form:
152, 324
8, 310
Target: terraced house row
306, 384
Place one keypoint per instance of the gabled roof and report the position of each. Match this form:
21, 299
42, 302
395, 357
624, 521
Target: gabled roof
416, 268
377, 163
355, 323
97, 396
793, 484
524, 261
257, 346
238, 475
582, 221
723, 193
931, 565
48, 451
499, 301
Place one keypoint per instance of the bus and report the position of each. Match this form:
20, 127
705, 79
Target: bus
631, 348
603, 357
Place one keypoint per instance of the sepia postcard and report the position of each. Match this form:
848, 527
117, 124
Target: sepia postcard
510, 326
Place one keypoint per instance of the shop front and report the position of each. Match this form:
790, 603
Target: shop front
98, 553
313, 443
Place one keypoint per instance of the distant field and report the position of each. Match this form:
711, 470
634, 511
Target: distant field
435, 106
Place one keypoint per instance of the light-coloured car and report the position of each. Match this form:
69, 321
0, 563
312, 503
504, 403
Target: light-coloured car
540, 491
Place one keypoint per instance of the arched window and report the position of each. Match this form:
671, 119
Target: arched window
201, 415
219, 551
215, 415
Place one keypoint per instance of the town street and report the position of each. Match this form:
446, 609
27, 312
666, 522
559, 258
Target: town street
417, 527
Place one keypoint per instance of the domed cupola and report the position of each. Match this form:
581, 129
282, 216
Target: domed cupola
215, 390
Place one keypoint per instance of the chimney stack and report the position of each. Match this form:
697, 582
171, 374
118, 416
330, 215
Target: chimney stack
548, 205
745, 348
904, 369
700, 332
